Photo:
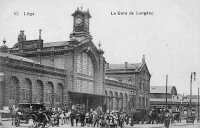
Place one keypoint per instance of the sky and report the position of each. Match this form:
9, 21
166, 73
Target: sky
169, 39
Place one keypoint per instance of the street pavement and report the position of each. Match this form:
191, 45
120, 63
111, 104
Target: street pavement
7, 124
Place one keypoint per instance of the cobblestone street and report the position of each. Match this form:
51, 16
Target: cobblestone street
7, 124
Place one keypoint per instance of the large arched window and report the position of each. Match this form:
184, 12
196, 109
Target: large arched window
84, 64
85, 67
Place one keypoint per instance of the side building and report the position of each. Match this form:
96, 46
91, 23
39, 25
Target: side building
138, 76
175, 102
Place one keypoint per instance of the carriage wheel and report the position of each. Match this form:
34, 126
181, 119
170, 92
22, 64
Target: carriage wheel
17, 122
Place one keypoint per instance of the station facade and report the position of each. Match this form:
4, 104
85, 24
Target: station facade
57, 74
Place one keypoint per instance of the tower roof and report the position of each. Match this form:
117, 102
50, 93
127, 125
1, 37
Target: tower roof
81, 12
4, 47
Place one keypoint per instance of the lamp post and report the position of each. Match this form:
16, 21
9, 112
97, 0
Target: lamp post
190, 105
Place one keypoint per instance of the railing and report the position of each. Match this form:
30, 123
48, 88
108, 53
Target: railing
53, 48
30, 50
27, 63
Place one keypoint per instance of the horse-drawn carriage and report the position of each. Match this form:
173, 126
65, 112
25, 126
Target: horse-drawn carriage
137, 116
26, 112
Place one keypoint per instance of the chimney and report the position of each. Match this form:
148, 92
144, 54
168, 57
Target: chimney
40, 30
126, 64
21, 36
107, 65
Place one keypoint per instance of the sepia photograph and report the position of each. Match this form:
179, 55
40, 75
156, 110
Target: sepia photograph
99, 63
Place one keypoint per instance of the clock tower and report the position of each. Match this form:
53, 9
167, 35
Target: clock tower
80, 25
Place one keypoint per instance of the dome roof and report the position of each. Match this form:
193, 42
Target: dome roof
3, 48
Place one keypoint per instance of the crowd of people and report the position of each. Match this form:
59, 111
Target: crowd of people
77, 115
92, 118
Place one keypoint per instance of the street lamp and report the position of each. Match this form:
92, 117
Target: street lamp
190, 105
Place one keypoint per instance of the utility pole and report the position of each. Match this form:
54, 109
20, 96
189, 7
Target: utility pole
191, 90
166, 90
190, 105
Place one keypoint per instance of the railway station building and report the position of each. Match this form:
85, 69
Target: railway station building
57, 74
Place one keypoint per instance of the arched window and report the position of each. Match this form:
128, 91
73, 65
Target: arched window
50, 93
25, 91
60, 93
14, 90
39, 91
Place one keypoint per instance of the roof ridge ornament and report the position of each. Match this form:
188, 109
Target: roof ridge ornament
99, 44
143, 59
4, 41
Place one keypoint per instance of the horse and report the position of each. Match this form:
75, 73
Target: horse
64, 116
153, 116
176, 117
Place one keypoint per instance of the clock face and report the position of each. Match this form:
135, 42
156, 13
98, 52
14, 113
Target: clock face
78, 21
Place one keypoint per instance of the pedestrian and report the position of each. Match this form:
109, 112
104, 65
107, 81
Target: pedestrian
77, 117
72, 116
193, 118
82, 118
167, 118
